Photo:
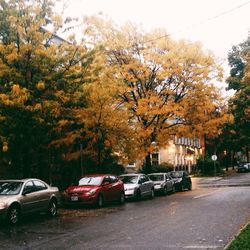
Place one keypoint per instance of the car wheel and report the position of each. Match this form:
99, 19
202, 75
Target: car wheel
182, 188
173, 189
13, 215
152, 194
138, 194
190, 186
165, 191
52, 210
100, 201
122, 198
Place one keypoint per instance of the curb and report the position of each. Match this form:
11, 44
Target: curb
229, 243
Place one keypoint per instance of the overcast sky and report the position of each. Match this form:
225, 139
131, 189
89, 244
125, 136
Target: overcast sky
218, 24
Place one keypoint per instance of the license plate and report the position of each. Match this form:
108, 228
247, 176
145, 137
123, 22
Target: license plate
74, 198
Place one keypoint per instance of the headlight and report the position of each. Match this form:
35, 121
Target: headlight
91, 191
2, 205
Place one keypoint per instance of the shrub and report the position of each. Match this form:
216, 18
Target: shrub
208, 167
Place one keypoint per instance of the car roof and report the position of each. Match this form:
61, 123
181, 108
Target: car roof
131, 174
22, 180
156, 173
101, 175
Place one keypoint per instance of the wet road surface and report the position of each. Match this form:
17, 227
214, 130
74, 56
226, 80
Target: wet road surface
207, 217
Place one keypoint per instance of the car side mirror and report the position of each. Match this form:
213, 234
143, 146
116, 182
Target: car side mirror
105, 183
26, 192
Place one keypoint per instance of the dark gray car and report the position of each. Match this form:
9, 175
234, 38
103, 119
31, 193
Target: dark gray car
19, 197
163, 182
137, 186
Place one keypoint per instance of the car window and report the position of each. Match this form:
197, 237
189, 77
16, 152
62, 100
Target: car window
90, 180
113, 179
157, 177
142, 179
168, 177
106, 179
129, 179
146, 178
10, 187
40, 185
29, 187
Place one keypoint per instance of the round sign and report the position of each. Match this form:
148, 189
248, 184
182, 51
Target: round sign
214, 157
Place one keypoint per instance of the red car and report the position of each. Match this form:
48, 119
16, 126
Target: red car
95, 189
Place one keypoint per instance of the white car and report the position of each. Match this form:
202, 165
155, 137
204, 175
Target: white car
137, 186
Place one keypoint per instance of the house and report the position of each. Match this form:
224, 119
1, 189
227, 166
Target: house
181, 152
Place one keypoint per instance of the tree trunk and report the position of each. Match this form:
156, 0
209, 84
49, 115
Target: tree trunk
148, 165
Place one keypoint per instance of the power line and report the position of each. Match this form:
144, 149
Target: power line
202, 22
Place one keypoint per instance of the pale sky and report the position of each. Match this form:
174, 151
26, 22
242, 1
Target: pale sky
218, 24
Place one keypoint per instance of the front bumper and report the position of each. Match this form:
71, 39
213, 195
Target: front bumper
130, 193
79, 199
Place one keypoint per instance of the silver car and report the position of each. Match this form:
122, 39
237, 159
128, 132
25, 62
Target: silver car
137, 186
163, 182
20, 197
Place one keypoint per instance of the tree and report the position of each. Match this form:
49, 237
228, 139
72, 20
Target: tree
166, 83
239, 80
41, 82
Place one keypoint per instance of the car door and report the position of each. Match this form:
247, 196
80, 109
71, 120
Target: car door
143, 185
43, 195
148, 185
186, 179
107, 188
169, 183
115, 189
29, 199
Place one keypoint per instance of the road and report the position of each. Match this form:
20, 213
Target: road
207, 217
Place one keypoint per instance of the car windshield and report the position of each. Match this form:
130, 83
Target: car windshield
129, 179
91, 180
176, 174
157, 177
10, 187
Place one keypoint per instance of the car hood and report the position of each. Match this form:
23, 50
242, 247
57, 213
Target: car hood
130, 186
7, 198
158, 182
80, 189
177, 179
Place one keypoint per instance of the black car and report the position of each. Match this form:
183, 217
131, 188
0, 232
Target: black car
243, 167
182, 180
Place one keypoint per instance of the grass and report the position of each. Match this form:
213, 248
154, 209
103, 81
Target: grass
242, 241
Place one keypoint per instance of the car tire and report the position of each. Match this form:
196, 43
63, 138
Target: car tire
182, 188
190, 186
52, 209
13, 215
152, 194
138, 194
165, 191
122, 198
100, 201
173, 189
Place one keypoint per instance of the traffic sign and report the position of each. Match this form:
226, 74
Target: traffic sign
214, 157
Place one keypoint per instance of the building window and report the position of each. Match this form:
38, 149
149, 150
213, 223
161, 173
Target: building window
155, 159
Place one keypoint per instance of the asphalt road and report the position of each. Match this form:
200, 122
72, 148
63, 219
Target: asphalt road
207, 217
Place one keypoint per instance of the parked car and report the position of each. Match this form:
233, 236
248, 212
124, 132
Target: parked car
95, 189
244, 167
163, 183
182, 180
20, 197
137, 186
